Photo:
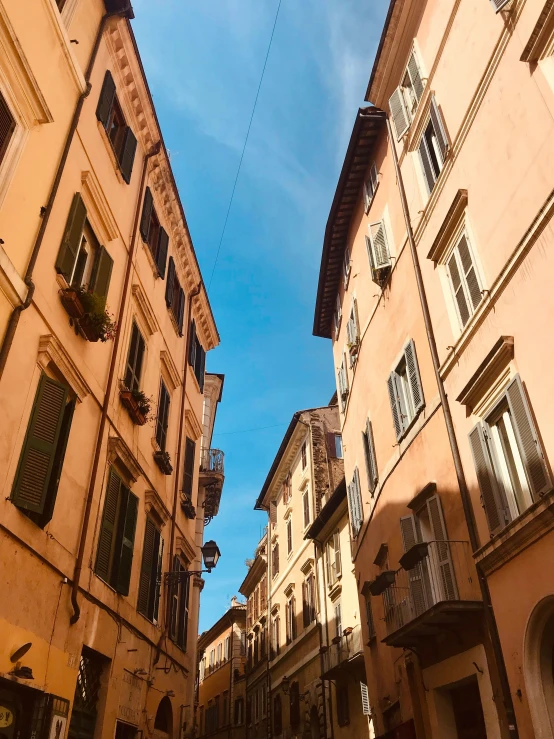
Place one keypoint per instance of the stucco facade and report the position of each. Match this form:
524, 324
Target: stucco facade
103, 499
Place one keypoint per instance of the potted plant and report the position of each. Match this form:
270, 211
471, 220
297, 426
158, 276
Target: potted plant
187, 506
138, 405
353, 348
72, 302
163, 460
90, 314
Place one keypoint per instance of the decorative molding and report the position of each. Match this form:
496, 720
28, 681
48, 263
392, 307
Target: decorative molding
449, 226
153, 502
419, 500
193, 424
288, 513
289, 589
541, 35
51, 350
143, 307
307, 567
170, 368
335, 590
488, 372
97, 205
11, 283
117, 448
275, 608
187, 549
198, 582
63, 40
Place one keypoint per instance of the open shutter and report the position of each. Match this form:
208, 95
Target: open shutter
380, 255
370, 186
527, 439
438, 125
355, 320
71, 240
102, 272
428, 170
329, 554
415, 76
338, 560
107, 528
447, 582
105, 101
163, 416
370, 457
147, 207
458, 289
397, 415
146, 567
128, 525
180, 310
499, 4
127, 157
331, 445
398, 113
366, 709
190, 452
192, 344
157, 577
59, 457
357, 496
169, 285
36, 462
418, 574
413, 376
470, 273
182, 632
161, 259
492, 498
273, 513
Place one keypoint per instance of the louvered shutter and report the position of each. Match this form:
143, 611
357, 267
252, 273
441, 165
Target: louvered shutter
306, 506
157, 576
127, 156
106, 540
169, 285
499, 4
190, 453
331, 445
458, 289
356, 320
163, 417
182, 634
379, 255
146, 567
305, 605
415, 76
7, 127
527, 439
57, 467
374, 179
444, 563
146, 216
370, 457
338, 560
192, 344
39, 448
438, 125
492, 498
366, 709
414, 377
101, 274
470, 273
397, 415
181, 310
71, 240
128, 524
428, 171
399, 113
105, 101
328, 548
358, 511
418, 576
161, 258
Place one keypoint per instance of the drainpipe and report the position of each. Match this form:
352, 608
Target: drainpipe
105, 405
28, 279
460, 475
321, 663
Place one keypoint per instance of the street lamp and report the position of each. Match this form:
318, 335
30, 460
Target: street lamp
210, 554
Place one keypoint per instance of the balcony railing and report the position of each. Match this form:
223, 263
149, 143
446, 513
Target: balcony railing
343, 653
211, 460
436, 581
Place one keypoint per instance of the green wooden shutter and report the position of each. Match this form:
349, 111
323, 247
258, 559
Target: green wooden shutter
106, 540
414, 377
105, 101
370, 457
192, 344
127, 524
157, 575
169, 285
146, 568
147, 206
181, 310
127, 155
492, 498
59, 457
182, 632
71, 240
101, 274
190, 452
39, 448
202, 368
163, 416
161, 258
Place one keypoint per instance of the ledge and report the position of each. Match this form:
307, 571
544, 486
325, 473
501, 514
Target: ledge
143, 307
488, 371
118, 448
449, 225
50, 350
152, 501
418, 500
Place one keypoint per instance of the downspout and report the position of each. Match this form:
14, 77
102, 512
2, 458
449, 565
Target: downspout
28, 279
105, 405
321, 665
460, 475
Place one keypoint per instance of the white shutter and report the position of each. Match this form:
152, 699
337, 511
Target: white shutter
370, 457
352, 507
380, 254
396, 408
442, 549
499, 4
458, 289
428, 170
358, 499
399, 114
346, 266
415, 76
370, 187
338, 561
438, 125
413, 376
366, 708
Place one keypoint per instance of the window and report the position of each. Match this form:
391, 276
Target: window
201, 721
87, 692
294, 698
334, 445
290, 609
202, 668
242, 643
334, 564
370, 457
210, 717
405, 99
346, 267
150, 572
239, 711
343, 384
197, 356
355, 504
277, 715
369, 617
289, 536
81, 260
188, 477
249, 612
509, 459
405, 391
122, 139
287, 489
353, 333
264, 701
304, 456
212, 660
433, 147
42, 456
227, 652
163, 416
153, 233
306, 507
7, 127
275, 560
378, 252
114, 557
225, 703
275, 626
216, 712
256, 707
338, 619
249, 702
175, 296
337, 315
463, 280
219, 653
134, 359
179, 595
370, 187
343, 711
308, 600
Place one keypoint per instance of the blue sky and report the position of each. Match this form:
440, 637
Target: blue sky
203, 60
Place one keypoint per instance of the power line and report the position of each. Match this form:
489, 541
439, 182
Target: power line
245, 143
247, 431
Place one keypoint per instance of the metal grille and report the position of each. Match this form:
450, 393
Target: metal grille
87, 691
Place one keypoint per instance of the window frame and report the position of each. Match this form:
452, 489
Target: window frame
454, 253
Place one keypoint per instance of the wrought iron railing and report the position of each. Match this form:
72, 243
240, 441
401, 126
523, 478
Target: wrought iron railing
350, 644
211, 460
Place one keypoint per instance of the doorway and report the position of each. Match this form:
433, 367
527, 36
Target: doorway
468, 710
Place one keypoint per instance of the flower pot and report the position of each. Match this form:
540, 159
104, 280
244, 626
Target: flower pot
72, 303
126, 397
354, 349
163, 461
89, 329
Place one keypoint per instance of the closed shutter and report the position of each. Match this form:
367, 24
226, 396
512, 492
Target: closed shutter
163, 417
161, 258
7, 127
36, 462
396, 408
157, 577
127, 524
328, 555
192, 344
105, 101
305, 605
370, 457
527, 439
134, 359
147, 566
181, 310
351, 508
470, 273
428, 171
398, 113
413, 376
146, 216
182, 633
415, 76
444, 558
418, 576
366, 709
331, 445
102, 272
492, 498
458, 289
336, 546
127, 156
56, 473
106, 540
438, 125
306, 503
71, 240
170, 283
190, 453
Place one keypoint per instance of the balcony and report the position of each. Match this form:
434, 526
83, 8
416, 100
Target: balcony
346, 653
212, 475
436, 590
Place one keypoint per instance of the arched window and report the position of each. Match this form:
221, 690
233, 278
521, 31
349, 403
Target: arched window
164, 716
294, 705
539, 667
277, 715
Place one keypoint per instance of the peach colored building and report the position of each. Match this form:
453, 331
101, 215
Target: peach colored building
108, 475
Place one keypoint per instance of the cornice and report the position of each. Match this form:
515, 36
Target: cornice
118, 448
170, 368
50, 350
153, 502
193, 425
186, 548
144, 308
103, 221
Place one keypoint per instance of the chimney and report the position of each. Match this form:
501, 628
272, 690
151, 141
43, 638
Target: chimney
234, 601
